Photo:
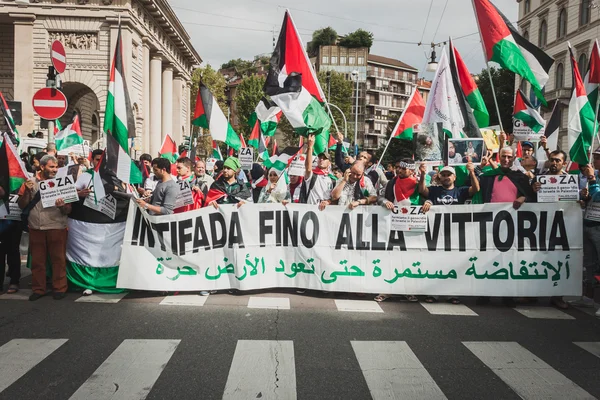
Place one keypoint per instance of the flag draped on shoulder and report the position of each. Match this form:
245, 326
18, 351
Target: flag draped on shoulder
208, 115
442, 104
469, 87
526, 113
264, 120
581, 122
168, 149
118, 117
411, 116
551, 133
10, 122
293, 85
119, 162
504, 45
70, 136
12, 170
592, 77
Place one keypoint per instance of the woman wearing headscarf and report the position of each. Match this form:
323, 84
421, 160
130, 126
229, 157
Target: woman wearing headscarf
276, 190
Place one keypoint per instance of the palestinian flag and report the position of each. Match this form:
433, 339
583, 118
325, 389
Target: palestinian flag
592, 77
551, 133
283, 160
209, 116
70, 136
10, 122
581, 121
264, 120
274, 148
119, 162
504, 45
411, 116
95, 183
292, 84
469, 87
331, 142
57, 126
118, 117
216, 151
243, 141
12, 170
168, 149
526, 113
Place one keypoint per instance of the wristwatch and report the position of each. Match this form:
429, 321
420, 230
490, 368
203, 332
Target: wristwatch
145, 206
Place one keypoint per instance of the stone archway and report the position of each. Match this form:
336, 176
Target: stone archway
83, 100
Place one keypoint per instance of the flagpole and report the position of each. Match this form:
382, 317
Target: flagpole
395, 127
488, 68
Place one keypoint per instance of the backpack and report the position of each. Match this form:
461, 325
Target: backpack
305, 190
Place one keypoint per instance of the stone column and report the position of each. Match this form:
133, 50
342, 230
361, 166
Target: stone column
145, 99
167, 102
23, 69
155, 104
178, 93
187, 115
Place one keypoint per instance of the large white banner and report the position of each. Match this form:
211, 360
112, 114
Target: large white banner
488, 249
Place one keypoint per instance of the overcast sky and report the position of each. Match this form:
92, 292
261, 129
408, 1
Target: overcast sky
243, 28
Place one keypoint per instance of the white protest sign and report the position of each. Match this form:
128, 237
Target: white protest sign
468, 250
107, 205
58, 188
409, 218
184, 196
246, 157
592, 212
78, 150
298, 167
525, 133
558, 188
210, 163
14, 210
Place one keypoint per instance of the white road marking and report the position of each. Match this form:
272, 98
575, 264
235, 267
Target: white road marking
184, 300
393, 371
262, 369
129, 372
527, 375
277, 303
102, 298
358, 306
448, 309
543, 312
592, 347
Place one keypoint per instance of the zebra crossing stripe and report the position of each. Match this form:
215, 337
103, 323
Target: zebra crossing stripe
276, 303
129, 372
102, 298
393, 371
543, 312
184, 300
262, 369
20, 355
448, 309
358, 306
592, 347
527, 375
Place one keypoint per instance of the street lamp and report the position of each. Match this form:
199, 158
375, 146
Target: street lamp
355, 76
344, 117
432, 65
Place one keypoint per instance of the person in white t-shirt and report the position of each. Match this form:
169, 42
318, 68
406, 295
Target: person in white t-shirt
318, 183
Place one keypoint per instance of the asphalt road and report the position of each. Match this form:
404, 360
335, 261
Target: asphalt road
310, 347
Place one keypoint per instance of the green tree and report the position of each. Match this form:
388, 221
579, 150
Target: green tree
215, 82
358, 38
341, 96
504, 85
243, 67
247, 96
321, 37
398, 148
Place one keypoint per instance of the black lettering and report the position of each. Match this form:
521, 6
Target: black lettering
432, 238
542, 230
263, 228
396, 239
146, 230
137, 221
504, 216
174, 237
278, 228
345, 233
235, 232
184, 237
483, 219
200, 237
290, 228
375, 233
160, 230
528, 232
306, 242
461, 219
558, 227
447, 232
360, 244
217, 242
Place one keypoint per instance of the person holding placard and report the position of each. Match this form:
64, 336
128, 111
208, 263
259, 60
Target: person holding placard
276, 190
164, 195
47, 233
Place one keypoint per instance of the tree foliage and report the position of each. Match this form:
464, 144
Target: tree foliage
341, 96
358, 38
247, 96
504, 85
246, 67
321, 37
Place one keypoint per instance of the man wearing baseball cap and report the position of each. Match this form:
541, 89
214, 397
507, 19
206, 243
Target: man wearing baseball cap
528, 148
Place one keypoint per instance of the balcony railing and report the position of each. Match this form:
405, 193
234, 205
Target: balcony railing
389, 89
374, 133
386, 75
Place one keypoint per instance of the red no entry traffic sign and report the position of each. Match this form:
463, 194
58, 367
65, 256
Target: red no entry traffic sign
50, 103
58, 56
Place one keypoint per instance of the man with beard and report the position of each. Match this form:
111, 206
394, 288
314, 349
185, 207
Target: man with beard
164, 195
227, 189
317, 185
354, 190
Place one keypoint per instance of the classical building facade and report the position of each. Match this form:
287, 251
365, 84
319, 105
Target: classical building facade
550, 25
158, 56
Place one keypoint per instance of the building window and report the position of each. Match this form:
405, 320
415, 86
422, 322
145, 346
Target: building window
559, 79
527, 6
582, 63
361, 60
562, 23
584, 12
526, 35
325, 60
543, 34
342, 60
333, 60
351, 60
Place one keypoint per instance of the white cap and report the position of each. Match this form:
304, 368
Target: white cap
448, 169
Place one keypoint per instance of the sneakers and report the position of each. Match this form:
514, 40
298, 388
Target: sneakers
87, 292
59, 295
204, 293
584, 302
35, 296
598, 313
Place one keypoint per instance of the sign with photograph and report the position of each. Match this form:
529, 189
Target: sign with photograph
429, 142
462, 151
